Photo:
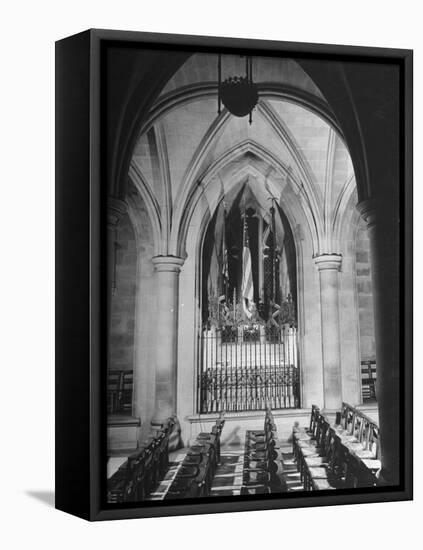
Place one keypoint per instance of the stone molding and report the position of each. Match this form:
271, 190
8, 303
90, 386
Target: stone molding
328, 261
168, 263
116, 209
367, 211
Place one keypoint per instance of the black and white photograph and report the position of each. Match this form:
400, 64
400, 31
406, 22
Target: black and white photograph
253, 275
210, 233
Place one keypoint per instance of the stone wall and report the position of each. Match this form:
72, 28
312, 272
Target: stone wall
365, 295
121, 339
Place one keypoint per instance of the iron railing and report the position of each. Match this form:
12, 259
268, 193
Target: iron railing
248, 367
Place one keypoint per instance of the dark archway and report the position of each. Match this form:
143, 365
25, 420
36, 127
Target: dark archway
249, 356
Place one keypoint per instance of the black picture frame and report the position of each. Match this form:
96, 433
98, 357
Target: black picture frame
81, 118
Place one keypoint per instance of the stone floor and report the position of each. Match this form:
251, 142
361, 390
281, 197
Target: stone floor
175, 461
228, 478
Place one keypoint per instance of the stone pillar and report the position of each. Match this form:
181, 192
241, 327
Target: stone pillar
167, 269
383, 233
329, 266
116, 209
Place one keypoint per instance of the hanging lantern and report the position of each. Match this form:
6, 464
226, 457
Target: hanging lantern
238, 94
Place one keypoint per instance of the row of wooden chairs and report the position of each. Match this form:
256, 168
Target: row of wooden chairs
143, 470
195, 475
314, 453
330, 457
262, 462
360, 435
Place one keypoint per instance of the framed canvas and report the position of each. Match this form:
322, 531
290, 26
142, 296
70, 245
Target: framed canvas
234, 274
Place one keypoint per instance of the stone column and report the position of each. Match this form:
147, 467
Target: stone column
383, 233
167, 269
116, 209
329, 266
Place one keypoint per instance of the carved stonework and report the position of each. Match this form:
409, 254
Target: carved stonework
284, 314
225, 313
116, 209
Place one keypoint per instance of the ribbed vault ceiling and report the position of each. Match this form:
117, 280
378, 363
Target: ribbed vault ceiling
186, 138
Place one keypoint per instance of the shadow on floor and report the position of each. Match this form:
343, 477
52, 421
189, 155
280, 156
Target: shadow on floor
46, 497
233, 439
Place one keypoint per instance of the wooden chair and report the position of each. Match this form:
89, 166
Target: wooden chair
312, 452
261, 472
214, 437
141, 484
320, 473
186, 484
307, 442
364, 462
309, 433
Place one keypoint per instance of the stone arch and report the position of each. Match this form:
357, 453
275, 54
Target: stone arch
276, 91
334, 89
145, 229
198, 189
139, 192
198, 219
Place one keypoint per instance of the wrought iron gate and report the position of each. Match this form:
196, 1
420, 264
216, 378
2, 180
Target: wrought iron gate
246, 365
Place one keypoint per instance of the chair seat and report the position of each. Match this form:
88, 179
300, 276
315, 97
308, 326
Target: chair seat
365, 454
255, 490
312, 451
372, 464
304, 444
315, 461
260, 433
256, 446
258, 464
193, 459
255, 476
251, 441
302, 436
354, 445
208, 437
187, 471
256, 434
348, 438
261, 455
318, 472
321, 484
196, 450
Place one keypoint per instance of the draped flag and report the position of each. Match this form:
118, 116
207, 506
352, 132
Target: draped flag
284, 281
217, 261
247, 275
225, 267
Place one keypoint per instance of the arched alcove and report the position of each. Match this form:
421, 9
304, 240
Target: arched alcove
122, 321
188, 161
316, 140
248, 333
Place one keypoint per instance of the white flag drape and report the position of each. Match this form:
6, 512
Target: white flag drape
247, 275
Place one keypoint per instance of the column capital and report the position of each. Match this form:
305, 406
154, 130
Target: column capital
116, 209
168, 263
328, 262
367, 211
